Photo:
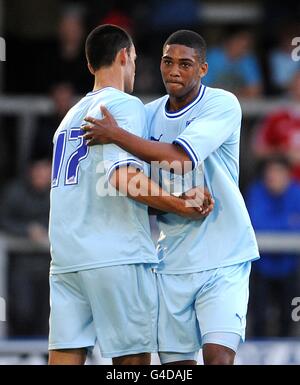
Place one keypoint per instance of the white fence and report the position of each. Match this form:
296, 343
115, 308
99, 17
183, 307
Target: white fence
29, 108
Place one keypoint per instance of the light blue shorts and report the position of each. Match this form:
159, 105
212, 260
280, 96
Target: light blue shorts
115, 305
198, 308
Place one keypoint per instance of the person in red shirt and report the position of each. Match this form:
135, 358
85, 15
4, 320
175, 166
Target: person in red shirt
279, 133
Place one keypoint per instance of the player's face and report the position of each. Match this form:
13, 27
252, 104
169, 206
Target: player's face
130, 70
181, 70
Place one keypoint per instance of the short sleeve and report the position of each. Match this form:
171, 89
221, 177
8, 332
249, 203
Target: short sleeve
208, 132
131, 116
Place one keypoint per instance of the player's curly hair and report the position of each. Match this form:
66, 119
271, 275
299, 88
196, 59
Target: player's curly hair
189, 39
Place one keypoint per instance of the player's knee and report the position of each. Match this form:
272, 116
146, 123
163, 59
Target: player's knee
218, 355
219, 360
67, 357
136, 359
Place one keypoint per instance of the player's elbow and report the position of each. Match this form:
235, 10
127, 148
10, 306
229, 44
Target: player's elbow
182, 164
183, 167
175, 165
122, 178
118, 179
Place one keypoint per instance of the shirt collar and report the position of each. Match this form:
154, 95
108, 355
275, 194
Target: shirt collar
182, 111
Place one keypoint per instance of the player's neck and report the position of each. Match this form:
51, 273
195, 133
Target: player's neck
109, 77
177, 103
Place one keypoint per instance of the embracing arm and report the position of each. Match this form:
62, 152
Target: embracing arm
138, 187
151, 151
107, 130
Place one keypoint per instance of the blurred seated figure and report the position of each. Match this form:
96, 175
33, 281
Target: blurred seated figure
24, 213
66, 63
234, 67
282, 67
274, 206
279, 133
63, 98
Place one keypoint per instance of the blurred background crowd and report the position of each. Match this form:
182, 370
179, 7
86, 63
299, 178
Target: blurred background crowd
249, 53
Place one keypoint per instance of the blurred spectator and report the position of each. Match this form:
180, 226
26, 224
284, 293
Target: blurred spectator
174, 14
282, 67
234, 67
63, 99
279, 133
274, 206
155, 20
119, 14
67, 62
24, 213
147, 78
8, 146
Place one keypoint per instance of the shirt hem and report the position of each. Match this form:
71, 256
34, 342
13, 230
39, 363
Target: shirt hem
199, 269
59, 346
99, 265
176, 349
153, 349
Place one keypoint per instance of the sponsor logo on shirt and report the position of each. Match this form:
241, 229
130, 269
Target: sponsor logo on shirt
156, 140
188, 122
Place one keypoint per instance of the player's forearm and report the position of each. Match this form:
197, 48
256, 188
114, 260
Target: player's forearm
168, 155
142, 189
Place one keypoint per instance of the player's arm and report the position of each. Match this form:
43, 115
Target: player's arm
106, 131
198, 194
134, 184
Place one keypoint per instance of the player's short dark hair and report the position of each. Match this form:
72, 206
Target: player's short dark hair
103, 44
189, 39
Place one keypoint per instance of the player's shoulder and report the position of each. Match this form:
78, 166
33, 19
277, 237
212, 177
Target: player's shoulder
222, 98
135, 102
156, 104
113, 96
119, 103
123, 102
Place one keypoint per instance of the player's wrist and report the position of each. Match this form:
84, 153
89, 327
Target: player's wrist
182, 208
118, 135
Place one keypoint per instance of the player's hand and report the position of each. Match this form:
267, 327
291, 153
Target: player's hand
200, 199
100, 131
37, 233
208, 204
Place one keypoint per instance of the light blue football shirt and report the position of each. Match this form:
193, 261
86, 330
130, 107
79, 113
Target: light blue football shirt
209, 131
91, 224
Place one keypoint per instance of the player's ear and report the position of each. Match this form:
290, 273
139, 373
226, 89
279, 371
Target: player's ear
203, 69
123, 56
91, 69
